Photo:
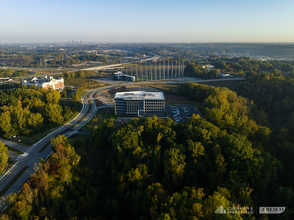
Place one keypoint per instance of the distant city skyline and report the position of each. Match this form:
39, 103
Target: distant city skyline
132, 21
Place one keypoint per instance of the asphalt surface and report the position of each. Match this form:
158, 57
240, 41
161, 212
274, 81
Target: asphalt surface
15, 145
32, 155
191, 110
13, 155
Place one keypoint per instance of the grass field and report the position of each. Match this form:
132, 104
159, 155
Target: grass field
79, 82
165, 87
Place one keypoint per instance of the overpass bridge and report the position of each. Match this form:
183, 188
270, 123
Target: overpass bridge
103, 67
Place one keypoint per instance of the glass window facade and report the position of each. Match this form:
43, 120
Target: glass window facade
130, 106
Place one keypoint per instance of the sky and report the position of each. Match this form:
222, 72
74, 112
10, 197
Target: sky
161, 21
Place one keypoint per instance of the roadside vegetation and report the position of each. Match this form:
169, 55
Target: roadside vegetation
3, 157
101, 114
78, 79
32, 111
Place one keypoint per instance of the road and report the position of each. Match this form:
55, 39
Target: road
32, 155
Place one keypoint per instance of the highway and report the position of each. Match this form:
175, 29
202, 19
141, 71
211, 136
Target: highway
75, 70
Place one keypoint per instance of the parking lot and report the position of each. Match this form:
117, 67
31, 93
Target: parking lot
180, 113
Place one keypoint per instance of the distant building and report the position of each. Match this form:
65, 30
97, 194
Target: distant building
209, 66
45, 82
139, 103
121, 76
223, 74
5, 79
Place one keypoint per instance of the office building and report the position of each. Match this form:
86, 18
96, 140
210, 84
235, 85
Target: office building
139, 103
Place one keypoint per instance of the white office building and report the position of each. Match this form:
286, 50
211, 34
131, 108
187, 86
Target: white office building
139, 103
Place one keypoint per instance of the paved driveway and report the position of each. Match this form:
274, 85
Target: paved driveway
14, 145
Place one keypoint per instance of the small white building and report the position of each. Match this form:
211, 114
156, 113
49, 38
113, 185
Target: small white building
208, 67
223, 74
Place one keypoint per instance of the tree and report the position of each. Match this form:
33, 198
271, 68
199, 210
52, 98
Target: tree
54, 113
52, 97
3, 157
64, 94
111, 207
174, 166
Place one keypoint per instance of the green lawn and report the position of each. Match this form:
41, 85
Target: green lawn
79, 82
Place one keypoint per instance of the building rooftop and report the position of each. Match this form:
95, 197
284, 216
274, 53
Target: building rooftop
139, 95
40, 79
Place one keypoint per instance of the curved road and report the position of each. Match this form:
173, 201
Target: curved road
32, 156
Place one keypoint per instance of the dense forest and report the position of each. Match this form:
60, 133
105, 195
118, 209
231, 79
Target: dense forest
273, 94
156, 169
12, 73
28, 111
237, 66
3, 157
197, 70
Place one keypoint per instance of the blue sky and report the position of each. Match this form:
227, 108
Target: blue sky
33, 21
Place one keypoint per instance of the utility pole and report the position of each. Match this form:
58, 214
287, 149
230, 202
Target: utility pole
168, 69
136, 72
183, 69
155, 71
177, 74
151, 69
172, 69
159, 68
141, 71
146, 73
163, 68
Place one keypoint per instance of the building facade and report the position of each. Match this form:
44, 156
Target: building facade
139, 103
45, 82
121, 76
